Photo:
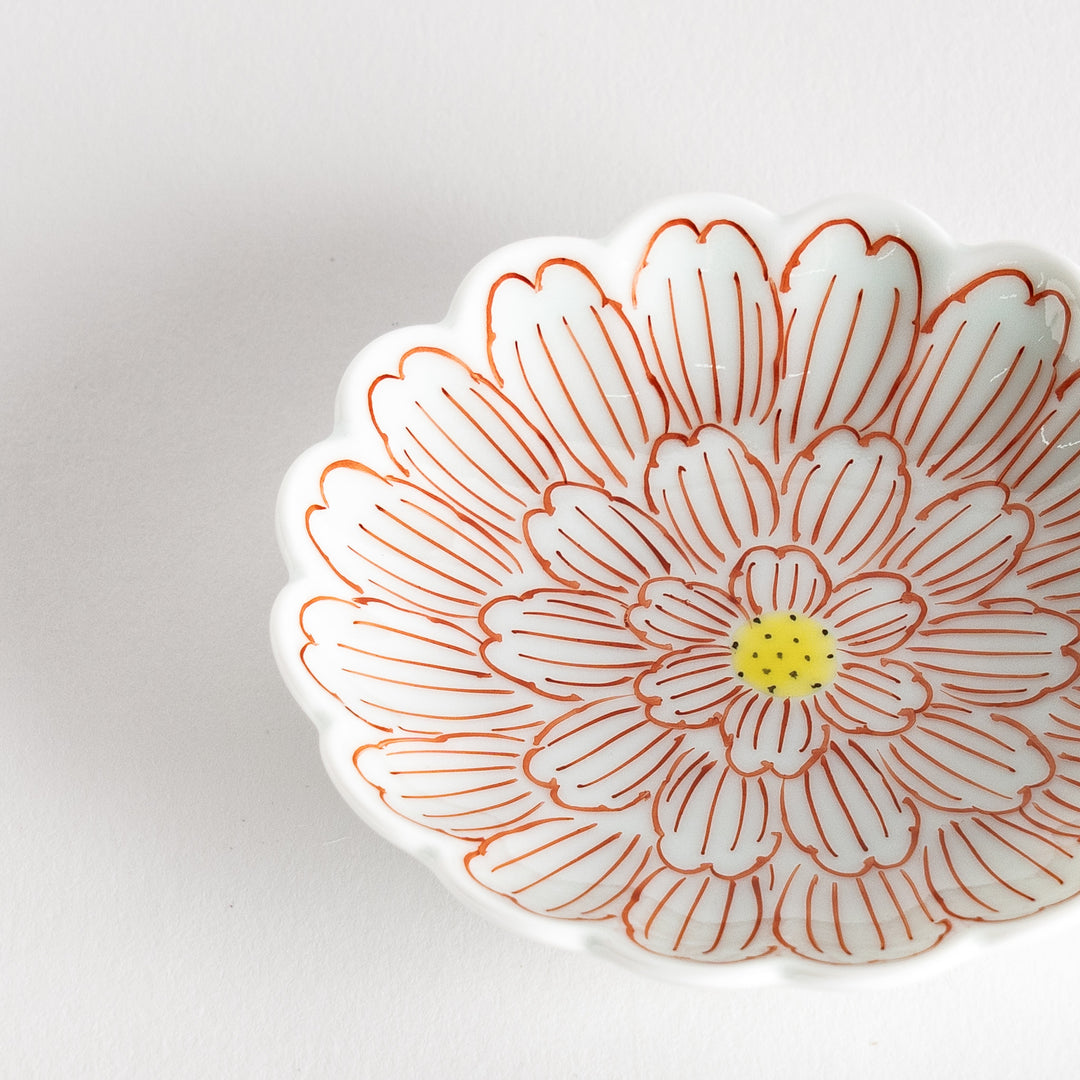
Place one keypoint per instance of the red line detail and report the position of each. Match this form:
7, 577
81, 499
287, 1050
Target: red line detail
712, 346
682, 358
835, 380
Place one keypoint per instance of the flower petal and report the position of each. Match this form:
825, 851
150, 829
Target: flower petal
717, 495
878, 698
709, 817
990, 868
1052, 566
386, 536
585, 537
401, 670
874, 614
1052, 569
566, 867
565, 354
845, 813
1004, 652
780, 579
955, 760
1043, 472
674, 614
883, 915
688, 688
1056, 804
602, 756
700, 917
1043, 467
983, 371
785, 735
851, 307
847, 493
455, 433
562, 643
965, 543
712, 320
464, 785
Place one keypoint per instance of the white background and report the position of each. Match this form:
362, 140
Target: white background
206, 209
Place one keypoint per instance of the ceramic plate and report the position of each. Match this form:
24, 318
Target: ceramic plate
710, 596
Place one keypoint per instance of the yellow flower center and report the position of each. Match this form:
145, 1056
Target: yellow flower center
784, 654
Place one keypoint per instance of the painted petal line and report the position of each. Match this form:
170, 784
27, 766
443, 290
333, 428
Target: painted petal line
996, 339
453, 431
603, 756
562, 643
881, 697
711, 316
851, 309
847, 815
1000, 653
566, 354
873, 614
566, 867
700, 917
846, 494
958, 760
990, 868
718, 496
465, 785
762, 733
690, 687
583, 537
780, 579
884, 915
405, 671
709, 817
386, 536
964, 543
675, 614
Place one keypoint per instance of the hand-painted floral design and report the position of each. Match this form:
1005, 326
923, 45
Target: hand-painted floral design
731, 604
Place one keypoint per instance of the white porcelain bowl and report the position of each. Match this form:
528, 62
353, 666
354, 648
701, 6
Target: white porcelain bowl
710, 596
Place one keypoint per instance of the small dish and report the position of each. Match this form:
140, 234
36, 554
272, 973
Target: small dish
710, 596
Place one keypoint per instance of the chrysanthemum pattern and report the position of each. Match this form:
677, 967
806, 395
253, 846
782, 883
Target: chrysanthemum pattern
734, 606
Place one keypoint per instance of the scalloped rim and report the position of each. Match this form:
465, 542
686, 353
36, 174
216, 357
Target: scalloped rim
340, 732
